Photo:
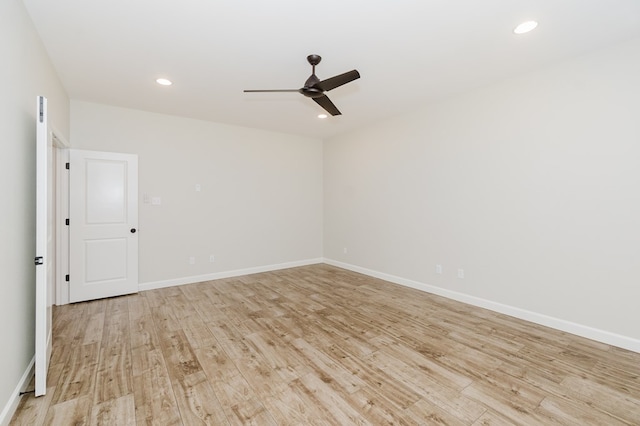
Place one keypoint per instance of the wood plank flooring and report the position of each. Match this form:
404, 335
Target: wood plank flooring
319, 345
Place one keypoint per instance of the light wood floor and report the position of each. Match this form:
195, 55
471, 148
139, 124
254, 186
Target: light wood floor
321, 345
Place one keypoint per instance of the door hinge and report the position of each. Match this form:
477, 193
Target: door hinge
66, 222
66, 166
41, 112
66, 277
38, 261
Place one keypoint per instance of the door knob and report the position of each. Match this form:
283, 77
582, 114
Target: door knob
133, 230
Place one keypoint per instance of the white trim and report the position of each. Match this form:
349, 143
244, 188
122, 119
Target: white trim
58, 138
62, 230
603, 336
12, 404
226, 274
61, 182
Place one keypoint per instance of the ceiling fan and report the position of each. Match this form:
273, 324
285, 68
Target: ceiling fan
314, 88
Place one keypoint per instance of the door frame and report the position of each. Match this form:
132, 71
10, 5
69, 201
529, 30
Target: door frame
61, 213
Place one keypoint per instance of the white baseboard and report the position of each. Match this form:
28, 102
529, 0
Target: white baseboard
226, 274
548, 321
10, 408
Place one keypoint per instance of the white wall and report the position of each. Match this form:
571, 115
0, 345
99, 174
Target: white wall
532, 186
25, 73
260, 202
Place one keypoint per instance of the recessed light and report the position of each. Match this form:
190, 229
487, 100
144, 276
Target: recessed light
164, 82
322, 115
525, 27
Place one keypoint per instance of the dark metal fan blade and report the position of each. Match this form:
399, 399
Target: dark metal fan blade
273, 90
326, 103
338, 80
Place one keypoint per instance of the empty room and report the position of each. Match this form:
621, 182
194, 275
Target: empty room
329, 213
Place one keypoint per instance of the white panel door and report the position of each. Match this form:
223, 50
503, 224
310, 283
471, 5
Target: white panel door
44, 246
103, 214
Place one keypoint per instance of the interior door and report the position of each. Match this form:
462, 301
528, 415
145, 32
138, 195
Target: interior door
103, 214
44, 245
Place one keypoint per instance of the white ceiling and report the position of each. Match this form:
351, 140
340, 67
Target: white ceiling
408, 52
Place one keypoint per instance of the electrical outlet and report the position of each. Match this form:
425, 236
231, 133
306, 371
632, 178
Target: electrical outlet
212, 258
344, 250
460, 273
438, 269
198, 187
192, 260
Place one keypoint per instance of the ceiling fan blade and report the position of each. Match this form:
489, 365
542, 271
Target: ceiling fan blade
338, 80
272, 90
326, 103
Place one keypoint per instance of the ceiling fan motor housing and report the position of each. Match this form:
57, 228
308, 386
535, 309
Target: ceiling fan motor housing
309, 90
